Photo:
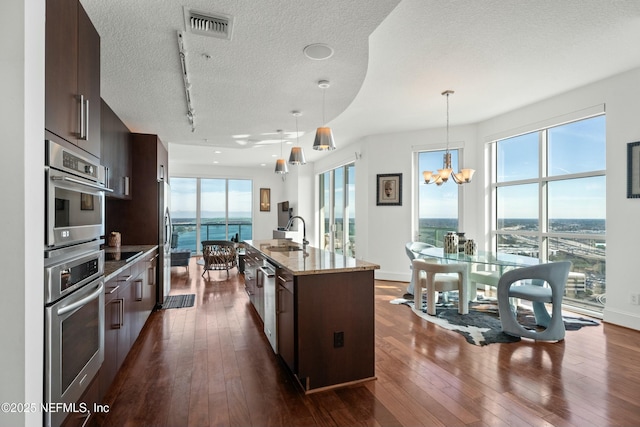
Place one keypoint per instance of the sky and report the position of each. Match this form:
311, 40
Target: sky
572, 148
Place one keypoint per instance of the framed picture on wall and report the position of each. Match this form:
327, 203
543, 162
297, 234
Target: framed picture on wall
633, 170
265, 200
389, 189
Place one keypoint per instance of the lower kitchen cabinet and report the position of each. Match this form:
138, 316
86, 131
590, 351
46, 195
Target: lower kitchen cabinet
129, 300
285, 313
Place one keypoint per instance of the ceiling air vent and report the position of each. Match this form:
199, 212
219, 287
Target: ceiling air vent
208, 24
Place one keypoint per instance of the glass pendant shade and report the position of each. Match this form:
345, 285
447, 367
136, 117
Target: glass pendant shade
281, 166
324, 140
297, 156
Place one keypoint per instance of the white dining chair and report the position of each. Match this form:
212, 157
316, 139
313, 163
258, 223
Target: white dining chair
532, 288
434, 278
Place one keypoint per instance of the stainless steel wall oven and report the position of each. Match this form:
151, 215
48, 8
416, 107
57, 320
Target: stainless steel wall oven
73, 276
74, 206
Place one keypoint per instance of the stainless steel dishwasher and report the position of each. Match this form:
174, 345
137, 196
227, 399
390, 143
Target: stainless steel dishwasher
268, 272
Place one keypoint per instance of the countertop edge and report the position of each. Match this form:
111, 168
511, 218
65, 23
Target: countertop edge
312, 254
113, 268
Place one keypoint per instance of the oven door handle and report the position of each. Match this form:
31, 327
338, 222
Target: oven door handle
83, 301
77, 181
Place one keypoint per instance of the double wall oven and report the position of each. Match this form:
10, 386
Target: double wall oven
73, 276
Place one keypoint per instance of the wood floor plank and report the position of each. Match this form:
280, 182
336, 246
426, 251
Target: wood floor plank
210, 365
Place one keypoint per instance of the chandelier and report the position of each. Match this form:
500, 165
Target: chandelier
462, 177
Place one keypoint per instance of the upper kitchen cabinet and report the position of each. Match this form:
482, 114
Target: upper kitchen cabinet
139, 219
72, 75
116, 153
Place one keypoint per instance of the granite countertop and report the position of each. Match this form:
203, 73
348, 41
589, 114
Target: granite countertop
113, 267
288, 255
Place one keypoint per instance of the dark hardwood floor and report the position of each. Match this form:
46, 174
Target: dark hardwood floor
210, 365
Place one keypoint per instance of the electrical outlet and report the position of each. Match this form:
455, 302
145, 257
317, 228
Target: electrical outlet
338, 339
634, 298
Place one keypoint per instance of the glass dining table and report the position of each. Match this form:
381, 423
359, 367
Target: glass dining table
485, 267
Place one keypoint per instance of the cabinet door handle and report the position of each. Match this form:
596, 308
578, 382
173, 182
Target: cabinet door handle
86, 119
121, 313
119, 323
126, 185
81, 116
138, 290
112, 290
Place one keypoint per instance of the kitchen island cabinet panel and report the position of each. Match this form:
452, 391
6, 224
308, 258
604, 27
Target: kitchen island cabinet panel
324, 313
335, 328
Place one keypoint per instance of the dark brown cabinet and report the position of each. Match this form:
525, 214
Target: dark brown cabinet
129, 300
72, 75
117, 333
138, 219
254, 279
285, 315
115, 153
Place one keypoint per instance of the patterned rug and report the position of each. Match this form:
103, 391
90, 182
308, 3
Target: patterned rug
482, 325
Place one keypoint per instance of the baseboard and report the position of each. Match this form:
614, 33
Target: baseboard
394, 277
622, 318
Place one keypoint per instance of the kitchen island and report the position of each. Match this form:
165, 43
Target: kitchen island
317, 309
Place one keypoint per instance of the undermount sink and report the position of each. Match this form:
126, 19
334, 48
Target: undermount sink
284, 248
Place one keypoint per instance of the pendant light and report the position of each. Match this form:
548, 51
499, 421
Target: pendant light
281, 165
297, 155
462, 177
324, 136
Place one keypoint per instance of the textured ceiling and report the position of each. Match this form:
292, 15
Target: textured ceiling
392, 60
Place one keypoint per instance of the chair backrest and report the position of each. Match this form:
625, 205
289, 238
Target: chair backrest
554, 273
429, 266
414, 248
218, 246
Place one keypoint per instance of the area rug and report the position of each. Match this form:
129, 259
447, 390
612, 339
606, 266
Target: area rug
179, 301
482, 325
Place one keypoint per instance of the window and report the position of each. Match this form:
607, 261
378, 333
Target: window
550, 200
210, 209
337, 202
437, 205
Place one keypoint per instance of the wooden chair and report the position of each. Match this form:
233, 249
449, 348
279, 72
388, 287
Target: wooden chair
219, 255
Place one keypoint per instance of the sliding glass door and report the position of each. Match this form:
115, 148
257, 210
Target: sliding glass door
210, 209
337, 210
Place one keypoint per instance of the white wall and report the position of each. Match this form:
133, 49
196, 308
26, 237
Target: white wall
383, 231
22, 178
621, 96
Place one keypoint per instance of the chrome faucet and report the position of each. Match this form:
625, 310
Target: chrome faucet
304, 228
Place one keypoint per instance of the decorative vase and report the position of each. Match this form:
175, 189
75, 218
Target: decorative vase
451, 243
115, 239
470, 247
461, 241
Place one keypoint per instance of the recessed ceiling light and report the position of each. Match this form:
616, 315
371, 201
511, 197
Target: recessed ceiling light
241, 136
218, 152
318, 51
215, 162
